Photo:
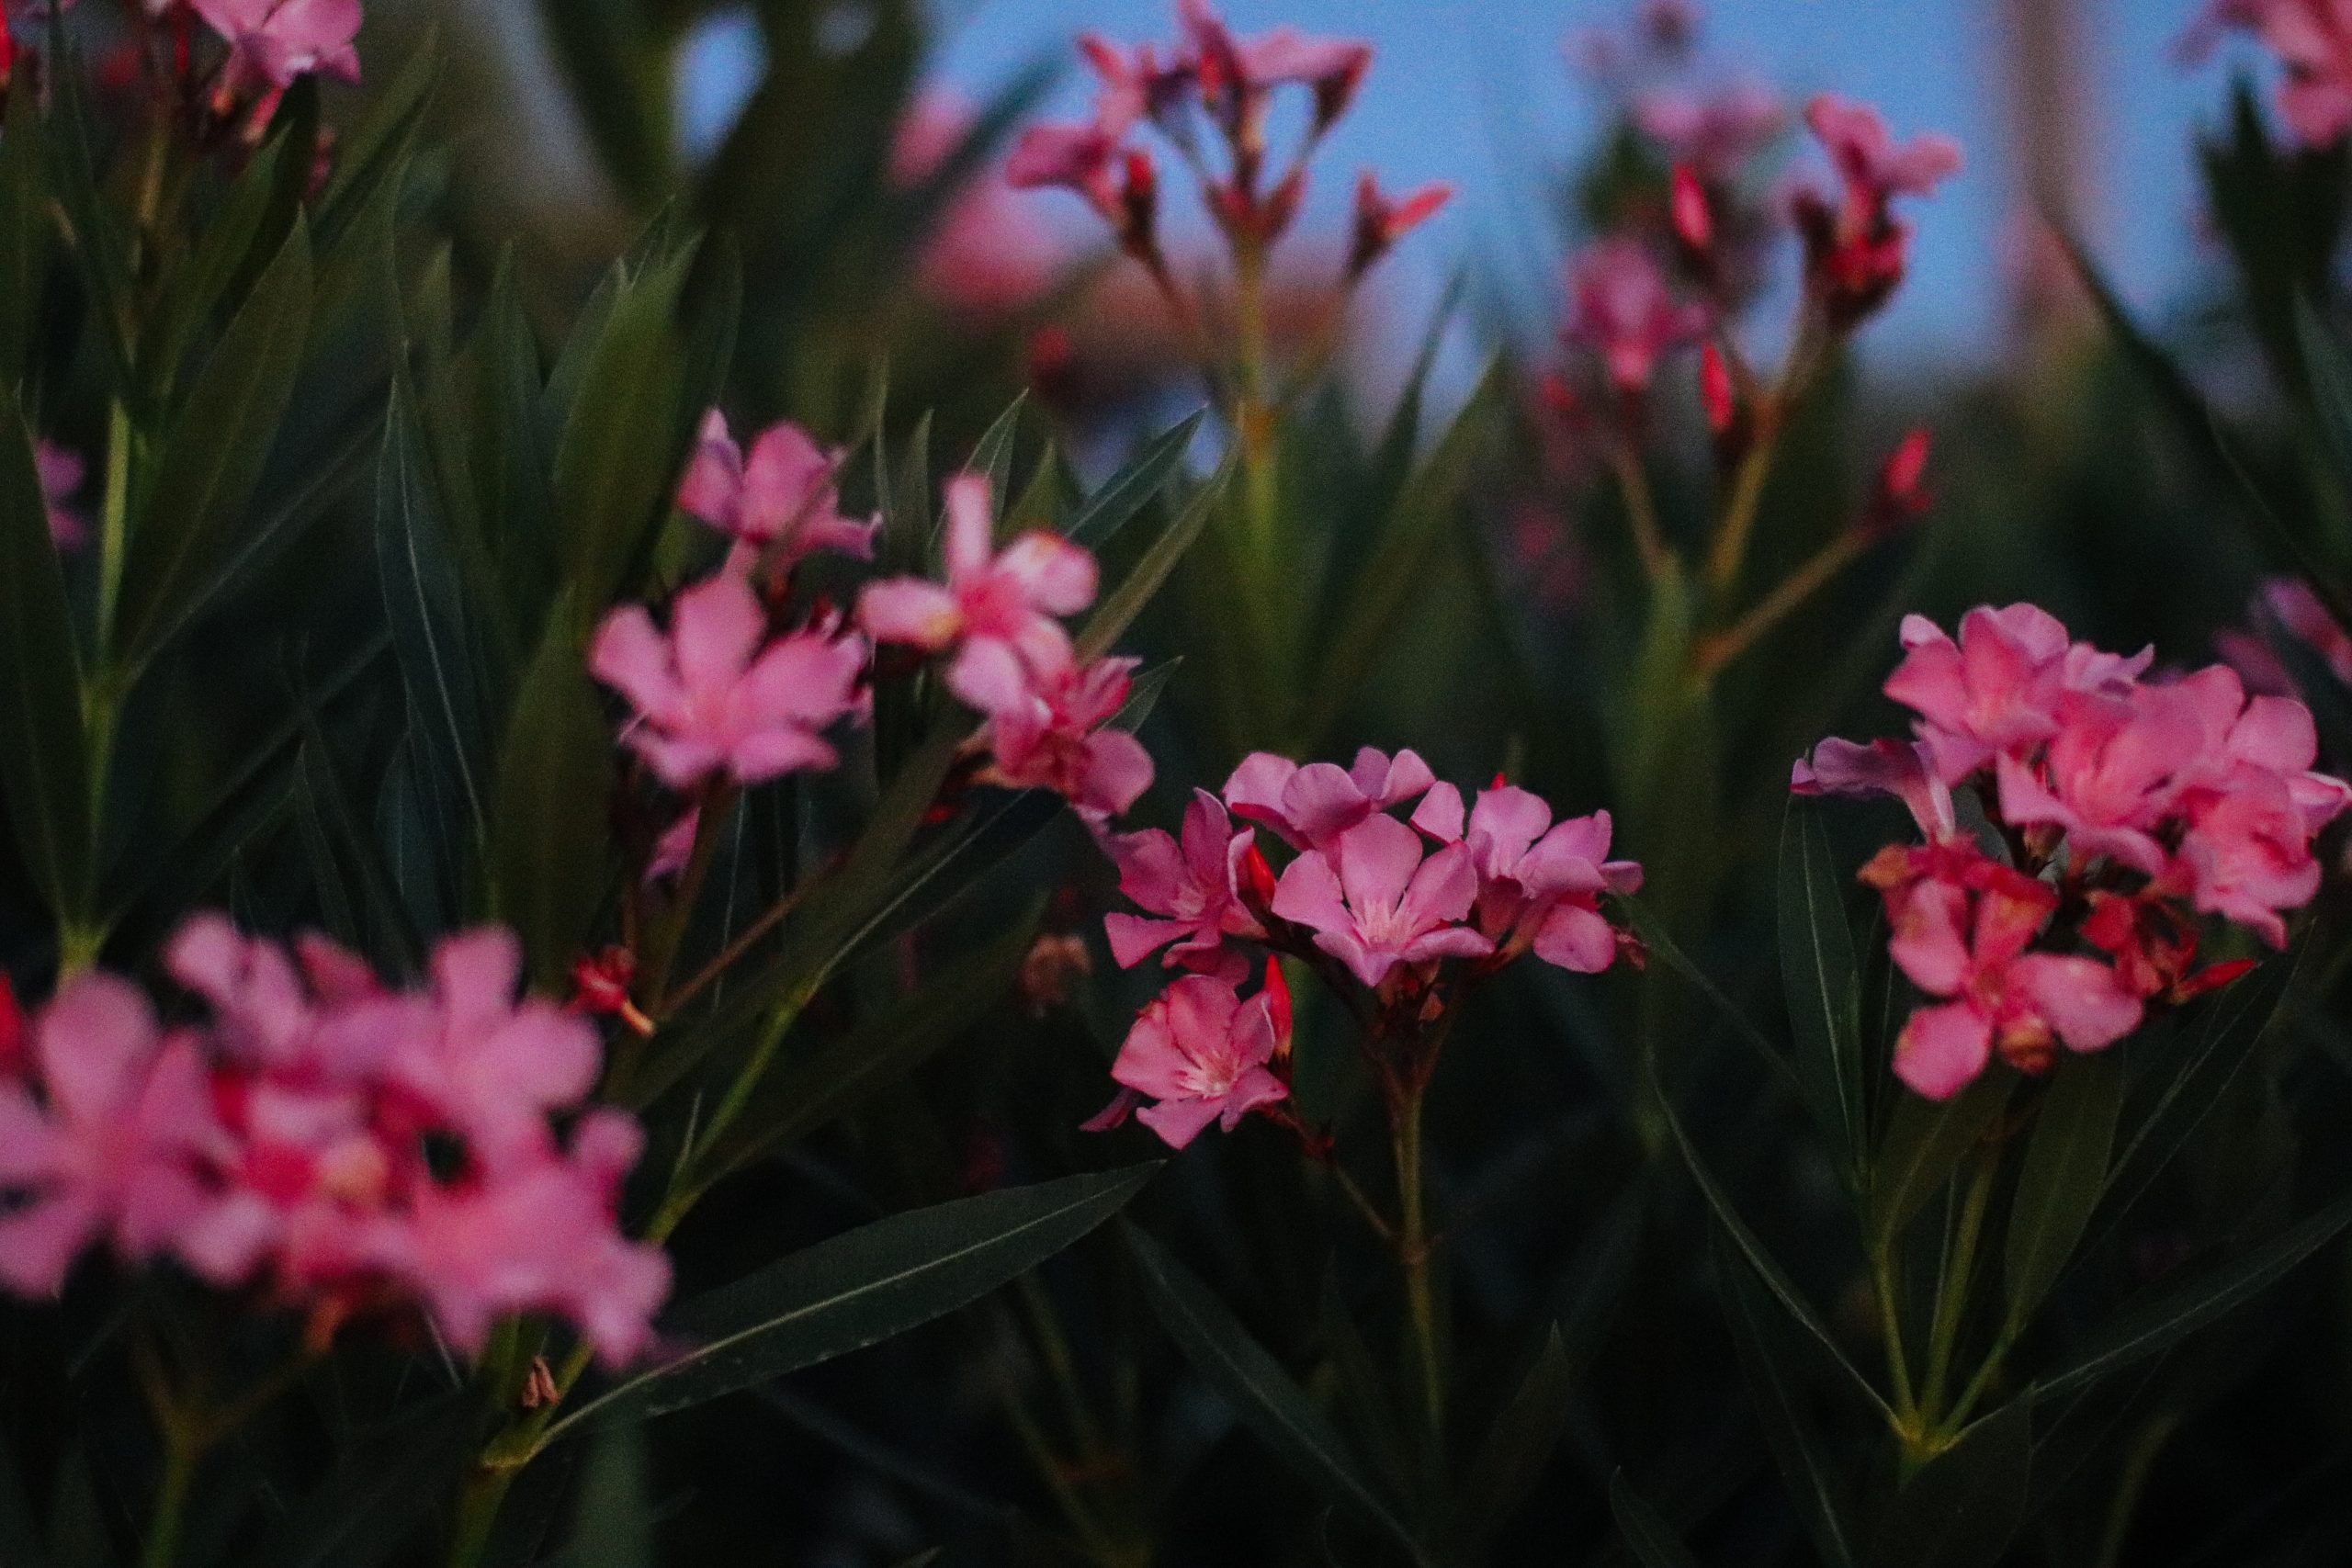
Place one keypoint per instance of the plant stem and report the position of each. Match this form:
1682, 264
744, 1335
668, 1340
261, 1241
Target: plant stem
1641, 511
717, 804
181, 1452
1952, 1291
1413, 1253
1738, 520
2138, 1461
1774, 607
1899, 1364
114, 525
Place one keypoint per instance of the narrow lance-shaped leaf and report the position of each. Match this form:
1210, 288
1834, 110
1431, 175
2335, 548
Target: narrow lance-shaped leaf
1924, 1144
1130, 491
1124, 603
1817, 974
2065, 1172
992, 454
858, 1289
1265, 1397
1769, 1350
42, 758
615, 1529
1512, 1458
1965, 1508
549, 839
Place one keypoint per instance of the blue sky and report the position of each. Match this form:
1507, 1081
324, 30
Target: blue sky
1477, 93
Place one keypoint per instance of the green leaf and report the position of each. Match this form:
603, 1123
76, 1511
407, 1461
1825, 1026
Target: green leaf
1817, 973
549, 839
992, 454
425, 603
1924, 1144
1781, 1288
2064, 1175
250, 226
615, 1527
617, 457
859, 1288
24, 236
377, 1492
1964, 1509
212, 457
42, 758
617, 65
2325, 363
1770, 1354
1269, 1401
2161, 1324
836, 1080
1128, 491
1653, 1541
1119, 608
1655, 938
376, 149
1510, 1460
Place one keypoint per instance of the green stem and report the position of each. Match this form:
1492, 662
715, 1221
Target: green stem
717, 804
114, 525
1952, 1291
1641, 511
1769, 611
181, 1453
1898, 1363
2138, 1462
1738, 521
1413, 1253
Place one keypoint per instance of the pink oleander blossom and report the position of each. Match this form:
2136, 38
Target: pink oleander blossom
1190, 889
780, 502
1375, 902
1961, 928
986, 255
997, 608
1055, 736
1203, 1055
2304, 616
278, 42
2111, 776
63, 473
1855, 249
1716, 134
1999, 686
2313, 41
113, 1147
716, 694
1309, 806
1538, 882
1621, 311
1905, 769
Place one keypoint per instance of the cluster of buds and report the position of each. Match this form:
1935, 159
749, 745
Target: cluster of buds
1856, 249
1395, 893
1211, 78
2123, 808
338, 1145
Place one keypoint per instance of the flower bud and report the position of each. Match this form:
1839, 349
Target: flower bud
1693, 224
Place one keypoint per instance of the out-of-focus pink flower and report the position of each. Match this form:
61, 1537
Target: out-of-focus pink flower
1905, 769
1309, 806
1901, 496
110, 1149
1381, 220
987, 256
280, 41
63, 472
710, 697
2312, 40
782, 502
1192, 886
1621, 312
1374, 902
1201, 1053
1053, 736
1236, 75
675, 847
2297, 609
1538, 882
1961, 927
1855, 249
997, 608
1715, 134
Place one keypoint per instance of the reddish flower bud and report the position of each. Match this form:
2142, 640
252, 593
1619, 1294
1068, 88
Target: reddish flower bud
1278, 1006
1715, 391
601, 989
1381, 222
1693, 224
7, 56
1140, 205
1901, 496
1257, 881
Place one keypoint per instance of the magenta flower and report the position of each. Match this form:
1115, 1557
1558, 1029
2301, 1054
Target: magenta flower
710, 696
996, 608
2111, 776
781, 502
111, 1150
1538, 882
1872, 166
1309, 806
63, 473
1383, 904
1995, 688
2301, 613
280, 41
1621, 312
1905, 769
2313, 41
1236, 74
1715, 133
1193, 885
986, 255
1855, 249
1201, 1053
1960, 932
1055, 737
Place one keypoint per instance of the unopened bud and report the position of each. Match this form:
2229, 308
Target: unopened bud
1139, 205
1694, 225
1717, 393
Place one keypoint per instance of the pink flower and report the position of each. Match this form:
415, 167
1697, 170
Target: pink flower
1961, 927
1874, 167
63, 472
1310, 807
1201, 1053
1999, 686
1383, 904
1079, 158
2312, 40
782, 502
710, 697
280, 41
1716, 134
1621, 312
675, 847
2290, 601
1380, 221
996, 608
111, 1150
1905, 769
1236, 75
1193, 885
2111, 776
1538, 881
538, 1236
1855, 249
1053, 736
986, 255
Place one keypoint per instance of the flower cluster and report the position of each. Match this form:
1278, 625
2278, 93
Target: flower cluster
2125, 807
1210, 74
2313, 41
998, 612
1855, 248
342, 1145
1369, 896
